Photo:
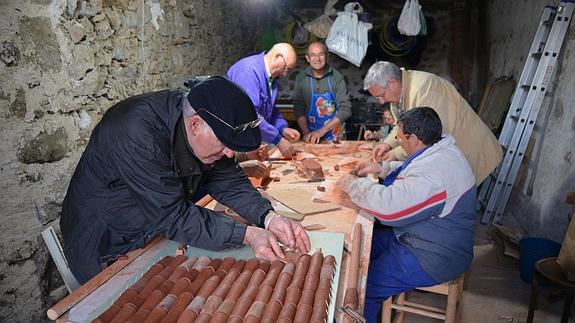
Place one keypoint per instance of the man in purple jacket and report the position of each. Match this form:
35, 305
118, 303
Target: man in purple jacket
258, 75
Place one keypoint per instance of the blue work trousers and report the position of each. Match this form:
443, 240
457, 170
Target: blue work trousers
393, 269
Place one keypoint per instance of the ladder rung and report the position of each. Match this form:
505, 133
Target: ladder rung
519, 125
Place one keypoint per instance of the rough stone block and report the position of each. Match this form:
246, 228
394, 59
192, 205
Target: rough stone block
103, 29
83, 60
18, 106
115, 17
9, 53
90, 8
36, 33
90, 84
45, 147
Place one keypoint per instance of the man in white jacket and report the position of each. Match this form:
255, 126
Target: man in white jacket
426, 206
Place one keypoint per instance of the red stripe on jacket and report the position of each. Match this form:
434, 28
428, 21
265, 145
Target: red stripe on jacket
413, 209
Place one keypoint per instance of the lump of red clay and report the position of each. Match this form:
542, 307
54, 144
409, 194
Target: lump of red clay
310, 169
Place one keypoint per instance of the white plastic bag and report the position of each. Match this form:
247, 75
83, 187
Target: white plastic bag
348, 36
320, 26
409, 23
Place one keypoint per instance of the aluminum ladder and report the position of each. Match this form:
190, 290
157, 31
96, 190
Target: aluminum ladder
525, 105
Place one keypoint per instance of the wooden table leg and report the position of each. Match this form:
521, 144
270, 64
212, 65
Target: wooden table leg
567, 307
533, 298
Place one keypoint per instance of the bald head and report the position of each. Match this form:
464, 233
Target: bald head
281, 59
316, 46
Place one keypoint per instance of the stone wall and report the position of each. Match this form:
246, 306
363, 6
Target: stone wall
63, 63
537, 206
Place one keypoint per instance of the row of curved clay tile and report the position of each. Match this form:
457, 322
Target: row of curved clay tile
181, 289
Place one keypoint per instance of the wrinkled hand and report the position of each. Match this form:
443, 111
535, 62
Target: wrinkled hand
367, 167
313, 137
344, 182
264, 243
381, 149
285, 148
260, 154
254, 168
290, 233
368, 135
291, 134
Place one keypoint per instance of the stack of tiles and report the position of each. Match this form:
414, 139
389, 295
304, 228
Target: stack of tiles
182, 289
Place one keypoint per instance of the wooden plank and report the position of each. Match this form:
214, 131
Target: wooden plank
300, 200
495, 102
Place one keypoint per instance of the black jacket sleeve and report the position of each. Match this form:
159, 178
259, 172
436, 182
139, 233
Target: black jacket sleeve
228, 184
159, 195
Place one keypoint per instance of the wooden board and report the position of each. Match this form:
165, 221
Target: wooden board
495, 102
300, 200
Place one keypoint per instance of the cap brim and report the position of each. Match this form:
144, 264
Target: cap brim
247, 140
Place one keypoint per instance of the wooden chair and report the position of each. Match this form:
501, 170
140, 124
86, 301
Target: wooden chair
452, 289
548, 270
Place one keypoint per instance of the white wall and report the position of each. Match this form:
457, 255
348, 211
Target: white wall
538, 207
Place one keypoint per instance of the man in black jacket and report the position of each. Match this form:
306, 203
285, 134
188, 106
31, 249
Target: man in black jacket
146, 160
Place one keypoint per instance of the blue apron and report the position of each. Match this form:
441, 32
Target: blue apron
321, 110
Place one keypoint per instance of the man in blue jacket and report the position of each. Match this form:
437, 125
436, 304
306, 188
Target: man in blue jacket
258, 76
427, 205
146, 160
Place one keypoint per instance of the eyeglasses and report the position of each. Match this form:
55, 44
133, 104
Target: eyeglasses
317, 55
240, 128
286, 67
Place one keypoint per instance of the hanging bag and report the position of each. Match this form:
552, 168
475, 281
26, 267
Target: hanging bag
348, 36
320, 26
409, 22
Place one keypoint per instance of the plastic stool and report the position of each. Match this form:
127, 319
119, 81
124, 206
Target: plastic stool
452, 289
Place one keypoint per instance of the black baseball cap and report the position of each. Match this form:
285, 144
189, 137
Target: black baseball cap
229, 111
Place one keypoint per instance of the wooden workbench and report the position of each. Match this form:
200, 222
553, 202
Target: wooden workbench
339, 220
335, 219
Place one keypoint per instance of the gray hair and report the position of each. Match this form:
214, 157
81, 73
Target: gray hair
187, 108
189, 111
380, 73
